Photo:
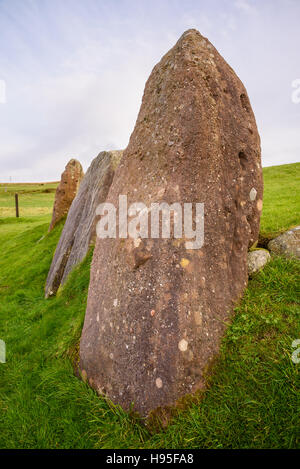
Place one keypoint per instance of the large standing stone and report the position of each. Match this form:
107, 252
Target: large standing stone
156, 311
66, 191
79, 230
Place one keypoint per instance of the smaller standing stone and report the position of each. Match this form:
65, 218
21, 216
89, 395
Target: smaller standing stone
257, 260
287, 244
66, 191
79, 231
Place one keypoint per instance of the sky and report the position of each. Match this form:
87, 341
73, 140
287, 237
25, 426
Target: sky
72, 73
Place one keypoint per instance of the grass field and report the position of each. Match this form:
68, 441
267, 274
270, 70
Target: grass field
252, 400
281, 208
35, 199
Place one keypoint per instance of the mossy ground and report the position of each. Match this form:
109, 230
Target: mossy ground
253, 396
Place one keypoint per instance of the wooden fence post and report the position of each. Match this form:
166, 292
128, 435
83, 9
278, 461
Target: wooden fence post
17, 205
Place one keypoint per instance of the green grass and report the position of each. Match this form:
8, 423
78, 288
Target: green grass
251, 401
281, 209
34, 199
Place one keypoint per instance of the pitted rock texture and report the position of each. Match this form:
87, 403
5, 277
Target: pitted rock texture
156, 311
79, 231
257, 260
287, 244
66, 191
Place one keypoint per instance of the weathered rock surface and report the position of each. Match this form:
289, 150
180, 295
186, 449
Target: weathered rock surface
156, 311
66, 191
257, 260
79, 230
287, 244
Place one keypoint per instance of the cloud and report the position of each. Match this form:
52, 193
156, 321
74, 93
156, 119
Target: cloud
75, 73
245, 6
280, 146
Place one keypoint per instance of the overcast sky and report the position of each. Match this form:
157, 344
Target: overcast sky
75, 70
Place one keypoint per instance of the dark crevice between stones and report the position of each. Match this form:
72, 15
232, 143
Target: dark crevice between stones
263, 241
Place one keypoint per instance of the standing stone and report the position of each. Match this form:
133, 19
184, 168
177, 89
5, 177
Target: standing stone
79, 231
157, 311
66, 191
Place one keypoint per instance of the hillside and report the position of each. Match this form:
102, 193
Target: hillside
251, 401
